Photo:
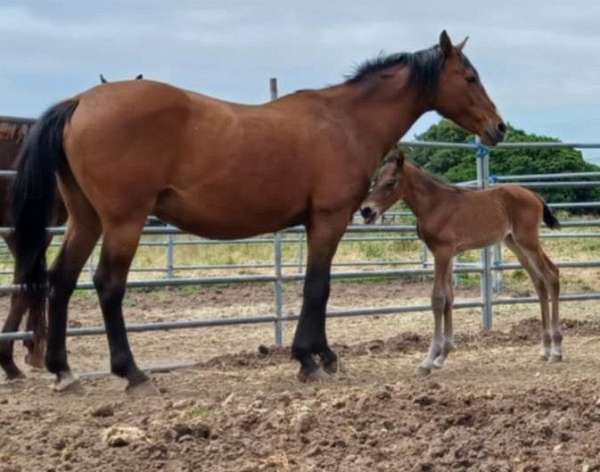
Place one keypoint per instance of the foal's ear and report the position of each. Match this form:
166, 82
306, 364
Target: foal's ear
461, 45
141, 76
446, 44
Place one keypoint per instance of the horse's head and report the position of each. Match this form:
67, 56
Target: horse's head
461, 96
386, 189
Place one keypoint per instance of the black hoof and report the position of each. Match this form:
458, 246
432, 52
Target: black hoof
330, 362
313, 376
13, 372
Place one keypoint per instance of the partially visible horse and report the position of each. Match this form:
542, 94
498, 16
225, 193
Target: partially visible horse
451, 220
12, 134
222, 170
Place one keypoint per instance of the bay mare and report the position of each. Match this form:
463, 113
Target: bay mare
221, 170
12, 134
451, 220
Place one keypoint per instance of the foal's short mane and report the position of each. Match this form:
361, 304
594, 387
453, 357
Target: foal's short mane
425, 67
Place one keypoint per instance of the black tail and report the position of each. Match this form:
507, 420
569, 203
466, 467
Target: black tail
549, 218
32, 201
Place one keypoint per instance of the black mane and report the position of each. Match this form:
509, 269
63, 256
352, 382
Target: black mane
425, 67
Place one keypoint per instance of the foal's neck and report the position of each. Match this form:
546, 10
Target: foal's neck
421, 192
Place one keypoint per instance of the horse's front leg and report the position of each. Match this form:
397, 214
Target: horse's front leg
439, 297
310, 339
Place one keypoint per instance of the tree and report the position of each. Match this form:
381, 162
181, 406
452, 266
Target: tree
458, 165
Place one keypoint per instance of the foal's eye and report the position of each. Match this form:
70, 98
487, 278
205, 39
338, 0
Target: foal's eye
471, 79
389, 185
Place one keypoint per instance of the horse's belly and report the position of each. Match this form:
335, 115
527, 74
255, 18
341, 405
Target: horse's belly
227, 217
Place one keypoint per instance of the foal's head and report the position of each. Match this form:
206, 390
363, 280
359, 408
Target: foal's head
461, 97
386, 189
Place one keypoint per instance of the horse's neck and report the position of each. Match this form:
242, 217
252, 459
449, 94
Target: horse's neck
380, 117
421, 192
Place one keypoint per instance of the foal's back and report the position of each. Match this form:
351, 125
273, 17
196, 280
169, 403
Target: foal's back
478, 218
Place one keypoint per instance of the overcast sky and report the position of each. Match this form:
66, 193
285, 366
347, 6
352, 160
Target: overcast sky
540, 60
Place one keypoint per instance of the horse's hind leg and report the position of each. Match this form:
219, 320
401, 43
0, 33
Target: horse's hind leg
79, 241
524, 255
118, 248
36, 347
552, 281
18, 307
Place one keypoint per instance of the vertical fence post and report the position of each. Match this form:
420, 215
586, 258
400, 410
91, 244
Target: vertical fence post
483, 172
170, 255
277, 259
497, 273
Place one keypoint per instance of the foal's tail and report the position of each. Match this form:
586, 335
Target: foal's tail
549, 218
33, 191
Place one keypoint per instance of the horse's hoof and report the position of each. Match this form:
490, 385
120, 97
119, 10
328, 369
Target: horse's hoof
555, 358
36, 362
68, 383
333, 367
12, 372
423, 371
438, 362
315, 376
142, 389
544, 357
15, 376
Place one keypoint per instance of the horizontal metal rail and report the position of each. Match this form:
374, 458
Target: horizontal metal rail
258, 319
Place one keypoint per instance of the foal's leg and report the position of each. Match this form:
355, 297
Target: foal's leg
524, 257
443, 261
448, 344
310, 339
552, 278
119, 245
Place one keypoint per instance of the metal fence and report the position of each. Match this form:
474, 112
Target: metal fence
489, 268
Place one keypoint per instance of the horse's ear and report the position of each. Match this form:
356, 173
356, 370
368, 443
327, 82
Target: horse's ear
446, 44
102, 79
141, 76
399, 161
461, 45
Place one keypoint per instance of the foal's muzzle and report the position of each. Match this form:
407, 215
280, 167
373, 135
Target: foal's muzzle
369, 214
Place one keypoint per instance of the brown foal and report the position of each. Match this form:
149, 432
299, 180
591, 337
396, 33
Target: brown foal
222, 170
451, 220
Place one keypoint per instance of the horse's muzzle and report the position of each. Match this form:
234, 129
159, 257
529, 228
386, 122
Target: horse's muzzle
369, 214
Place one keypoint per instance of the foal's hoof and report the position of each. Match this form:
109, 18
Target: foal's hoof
423, 371
67, 382
317, 375
142, 389
438, 362
555, 358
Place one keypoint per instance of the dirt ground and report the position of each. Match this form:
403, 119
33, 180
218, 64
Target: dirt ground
494, 407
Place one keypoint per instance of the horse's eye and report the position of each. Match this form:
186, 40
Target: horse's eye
471, 79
